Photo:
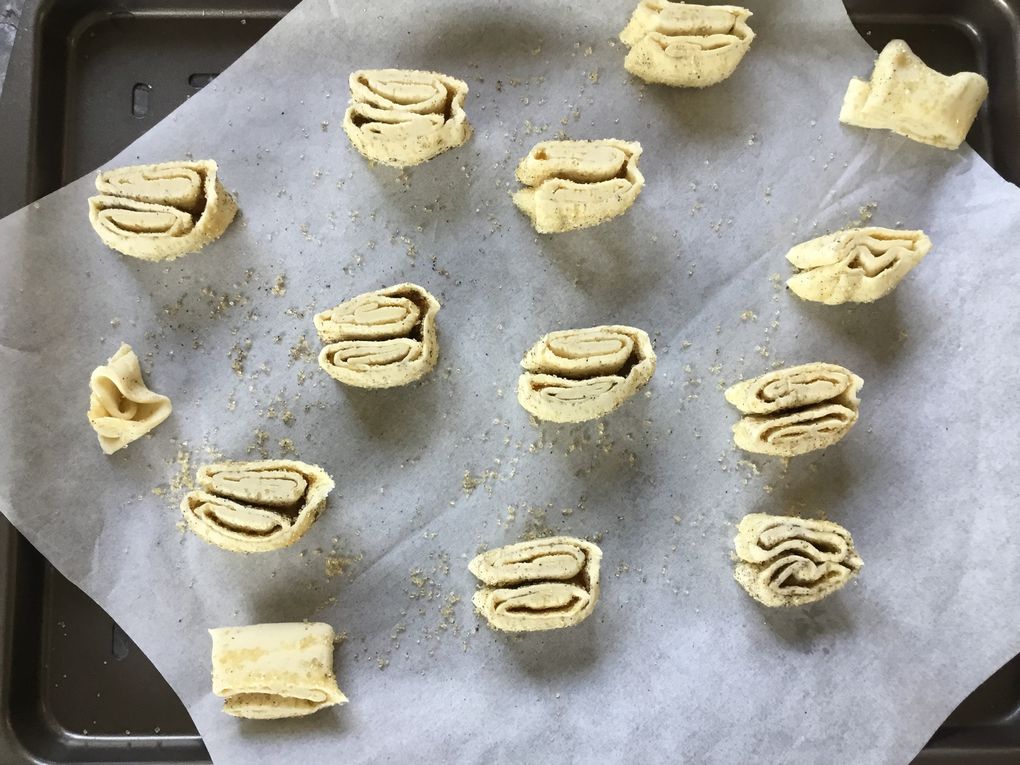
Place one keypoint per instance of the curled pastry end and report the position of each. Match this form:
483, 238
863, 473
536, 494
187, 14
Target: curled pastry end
788, 561
121, 407
274, 671
684, 44
256, 506
908, 97
403, 117
857, 265
541, 584
795, 410
380, 339
582, 374
162, 211
578, 184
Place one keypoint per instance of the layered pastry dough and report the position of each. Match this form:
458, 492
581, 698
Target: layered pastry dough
538, 585
160, 212
121, 407
795, 410
256, 506
272, 671
686, 45
855, 266
404, 117
577, 184
380, 339
786, 561
582, 374
908, 97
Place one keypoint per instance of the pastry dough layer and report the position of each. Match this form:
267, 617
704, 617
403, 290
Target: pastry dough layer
578, 184
787, 561
684, 44
162, 211
256, 506
537, 585
795, 410
121, 407
272, 671
908, 97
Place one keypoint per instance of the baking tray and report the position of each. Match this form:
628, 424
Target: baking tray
87, 77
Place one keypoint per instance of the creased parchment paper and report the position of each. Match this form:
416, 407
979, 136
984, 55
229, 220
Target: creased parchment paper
676, 663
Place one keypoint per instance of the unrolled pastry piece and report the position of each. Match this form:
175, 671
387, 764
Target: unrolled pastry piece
272, 671
538, 585
786, 561
404, 117
795, 410
380, 339
855, 266
160, 212
575, 375
908, 97
577, 184
256, 506
121, 407
686, 45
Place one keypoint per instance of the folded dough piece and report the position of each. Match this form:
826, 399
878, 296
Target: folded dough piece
686, 45
575, 375
577, 184
908, 97
272, 671
543, 584
256, 506
121, 407
787, 561
380, 339
858, 265
160, 212
795, 410
404, 117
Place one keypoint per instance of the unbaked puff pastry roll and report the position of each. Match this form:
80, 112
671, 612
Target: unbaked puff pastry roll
576, 375
787, 561
160, 212
686, 45
121, 407
272, 671
542, 584
908, 97
577, 184
404, 117
256, 506
858, 265
795, 410
380, 339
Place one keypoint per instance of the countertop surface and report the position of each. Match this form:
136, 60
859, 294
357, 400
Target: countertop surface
10, 13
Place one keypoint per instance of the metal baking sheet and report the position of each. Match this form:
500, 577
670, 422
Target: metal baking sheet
86, 79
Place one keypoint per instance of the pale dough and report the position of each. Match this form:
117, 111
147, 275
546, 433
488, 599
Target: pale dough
908, 97
686, 45
577, 184
404, 117
787, 561
855, 266
380, 339
795, 410
256, 506
160, 212
542, 584
272, 671
121, 407
576, 375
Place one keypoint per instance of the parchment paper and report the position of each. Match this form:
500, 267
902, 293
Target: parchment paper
676, 663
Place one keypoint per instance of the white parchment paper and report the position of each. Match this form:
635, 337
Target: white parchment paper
676, 663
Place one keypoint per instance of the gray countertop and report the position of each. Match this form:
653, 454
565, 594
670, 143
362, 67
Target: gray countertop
10, 13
